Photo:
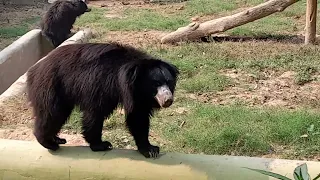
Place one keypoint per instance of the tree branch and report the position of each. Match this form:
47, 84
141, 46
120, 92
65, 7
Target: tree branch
196, 30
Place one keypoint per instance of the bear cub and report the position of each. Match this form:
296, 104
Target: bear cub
97, 77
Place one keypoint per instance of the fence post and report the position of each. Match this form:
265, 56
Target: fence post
311, 21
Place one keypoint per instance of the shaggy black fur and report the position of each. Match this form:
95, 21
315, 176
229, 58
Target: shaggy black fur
57, 23
97, 77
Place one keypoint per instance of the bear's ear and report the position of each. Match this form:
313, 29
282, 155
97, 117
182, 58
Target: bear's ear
172, 69
127, 76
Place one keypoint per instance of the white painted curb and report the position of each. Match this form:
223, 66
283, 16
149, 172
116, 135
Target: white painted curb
29, 160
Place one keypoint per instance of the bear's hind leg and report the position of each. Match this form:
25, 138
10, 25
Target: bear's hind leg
48, 125
92, 124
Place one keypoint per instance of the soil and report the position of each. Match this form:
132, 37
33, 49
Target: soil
273, 90
12, 15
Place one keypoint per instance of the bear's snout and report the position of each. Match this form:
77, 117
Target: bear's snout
164, 96
167, 103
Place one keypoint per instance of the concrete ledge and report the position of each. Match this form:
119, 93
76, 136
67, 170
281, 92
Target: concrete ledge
20, 55
19, 85
28, 160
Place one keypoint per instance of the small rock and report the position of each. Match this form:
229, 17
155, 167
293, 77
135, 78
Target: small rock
24, 133
196, 18
180, 8
103, 5
125, 3
181, 110
192, 96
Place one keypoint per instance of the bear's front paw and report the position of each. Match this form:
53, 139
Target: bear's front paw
59, 140
103, 146
150, 151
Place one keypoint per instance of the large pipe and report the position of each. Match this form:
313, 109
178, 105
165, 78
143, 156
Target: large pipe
26, 160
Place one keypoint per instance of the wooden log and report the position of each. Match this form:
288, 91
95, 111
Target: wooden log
311, 22
195, 30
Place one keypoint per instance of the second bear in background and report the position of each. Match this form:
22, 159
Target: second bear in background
57, 23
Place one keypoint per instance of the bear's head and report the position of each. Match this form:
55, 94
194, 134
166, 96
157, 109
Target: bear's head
148, 82
80, 6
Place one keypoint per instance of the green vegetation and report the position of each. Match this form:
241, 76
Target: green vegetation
238, 130
18, 30
300, 173
10, 33
199, 126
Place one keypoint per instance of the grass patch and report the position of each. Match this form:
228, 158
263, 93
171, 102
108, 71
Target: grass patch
18, 30
304, 76
74, 122
231, 130
274, 23
204, 82
133, 19
208, 7
156, 19
11, 32
236, 130
200, 63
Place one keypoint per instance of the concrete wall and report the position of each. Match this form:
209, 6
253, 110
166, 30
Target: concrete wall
19, 85
20, 55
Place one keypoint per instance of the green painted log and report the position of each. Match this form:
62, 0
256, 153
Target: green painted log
26, 160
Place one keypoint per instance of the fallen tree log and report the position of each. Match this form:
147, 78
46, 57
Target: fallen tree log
195, 30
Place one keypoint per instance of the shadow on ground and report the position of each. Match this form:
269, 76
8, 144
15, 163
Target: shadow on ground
292, 39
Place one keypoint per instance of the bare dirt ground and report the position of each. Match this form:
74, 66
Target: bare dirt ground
276, 90
14, 15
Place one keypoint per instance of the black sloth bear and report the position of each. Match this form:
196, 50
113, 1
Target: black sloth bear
97, 78
57, 23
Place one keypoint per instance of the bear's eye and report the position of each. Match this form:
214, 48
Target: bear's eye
156, 83
170, 82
